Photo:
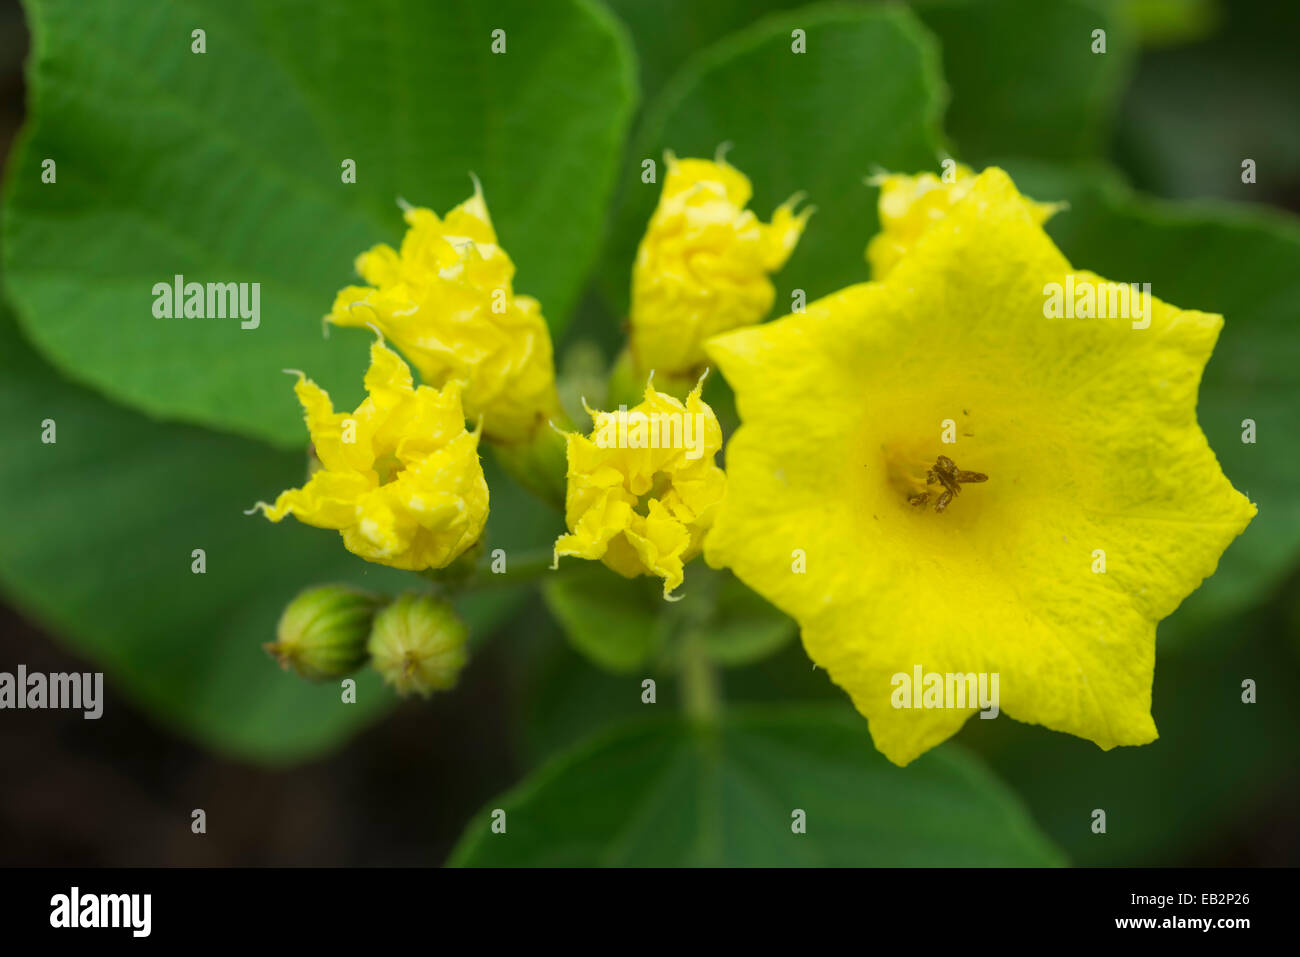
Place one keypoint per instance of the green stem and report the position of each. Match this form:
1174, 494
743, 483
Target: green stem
525, 567
540, 464
701, 696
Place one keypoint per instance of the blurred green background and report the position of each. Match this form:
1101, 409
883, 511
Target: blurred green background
226, 166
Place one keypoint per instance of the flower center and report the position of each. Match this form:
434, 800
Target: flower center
659, 486
920, 485
949, 478
386, 467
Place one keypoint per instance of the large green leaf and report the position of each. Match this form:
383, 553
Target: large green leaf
1023, 74
666, 793
695, 26
866, 94
1024, 78
1245, 264
100, 527
562, 695
226, 166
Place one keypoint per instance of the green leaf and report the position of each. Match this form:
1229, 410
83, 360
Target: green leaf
1217, 767
623, 624
1245, 264
1166, 23
664, 793
743, 626
226, 166
562, 694
696, 25
617, 622
1024, 78
867, 93
100, 527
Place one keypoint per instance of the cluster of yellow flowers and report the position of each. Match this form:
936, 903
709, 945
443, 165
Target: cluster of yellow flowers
849, 499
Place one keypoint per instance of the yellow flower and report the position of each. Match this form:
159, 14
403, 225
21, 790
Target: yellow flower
1102, 505
643, 488
447, 301
400, 478
702, 267
909, 205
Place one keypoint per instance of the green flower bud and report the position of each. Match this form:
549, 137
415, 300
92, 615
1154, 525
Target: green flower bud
418, 645
322, 633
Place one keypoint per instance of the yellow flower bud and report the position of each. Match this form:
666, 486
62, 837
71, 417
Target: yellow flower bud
703, 265
643, 487
910, 205
400, 477
447, 301
418, 645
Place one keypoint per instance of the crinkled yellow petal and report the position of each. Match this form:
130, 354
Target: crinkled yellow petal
702, 267
327, 429
328, 500
641, 501
400, 477
685, 176
1085, 428
379, 266
909, 205
447, 301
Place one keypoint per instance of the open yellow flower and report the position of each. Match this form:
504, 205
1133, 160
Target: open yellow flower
909, 205
1102, 505
643, 487
447, 301
702, 267
400, 477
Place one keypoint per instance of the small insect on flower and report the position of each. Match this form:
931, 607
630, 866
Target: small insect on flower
946, 473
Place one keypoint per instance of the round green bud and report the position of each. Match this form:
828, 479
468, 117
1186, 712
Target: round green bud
322, 633
418, 645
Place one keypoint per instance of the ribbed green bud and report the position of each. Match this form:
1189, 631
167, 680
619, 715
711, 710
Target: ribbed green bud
418, 645
322, 633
